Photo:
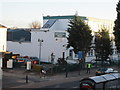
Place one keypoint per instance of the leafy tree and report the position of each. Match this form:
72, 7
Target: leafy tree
117, 28
79, 35
103, 46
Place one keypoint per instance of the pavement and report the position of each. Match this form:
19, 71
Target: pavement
16, 78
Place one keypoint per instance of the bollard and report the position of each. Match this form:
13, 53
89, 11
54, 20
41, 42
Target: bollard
79, 68
51, 70
66, 74
66, 69
40, 74
26, 78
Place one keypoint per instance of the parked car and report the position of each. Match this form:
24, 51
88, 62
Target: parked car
28, 60
102, 71
72, 61
35, 60
99, 62
21, 60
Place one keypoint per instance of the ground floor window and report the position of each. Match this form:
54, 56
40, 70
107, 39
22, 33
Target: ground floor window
91, 52
71, 54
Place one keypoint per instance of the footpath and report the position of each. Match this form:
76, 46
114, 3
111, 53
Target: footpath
17, 78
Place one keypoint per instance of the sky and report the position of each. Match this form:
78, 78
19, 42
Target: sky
20, 13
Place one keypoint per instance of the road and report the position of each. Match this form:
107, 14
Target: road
68, 85
64, 86
12, 80
17, 79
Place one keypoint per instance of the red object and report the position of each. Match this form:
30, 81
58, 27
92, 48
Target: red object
34, 62
20, 60
86, 87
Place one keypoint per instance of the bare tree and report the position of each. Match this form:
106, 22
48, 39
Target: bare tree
35, 24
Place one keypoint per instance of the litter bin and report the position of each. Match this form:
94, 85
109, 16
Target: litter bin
10, 63
28, 65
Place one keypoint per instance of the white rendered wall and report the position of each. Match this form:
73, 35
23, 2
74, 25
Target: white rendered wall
0, 60
3, 39
17, 48
49, 45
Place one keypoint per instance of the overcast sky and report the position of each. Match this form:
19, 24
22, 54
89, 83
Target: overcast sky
19, 13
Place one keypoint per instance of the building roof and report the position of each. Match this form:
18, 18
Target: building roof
15, 30
62, 17
52, 19
1, 26
49, 23
18, 35
72, 16
58, 17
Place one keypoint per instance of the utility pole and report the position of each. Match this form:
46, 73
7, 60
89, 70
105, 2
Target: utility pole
40, 44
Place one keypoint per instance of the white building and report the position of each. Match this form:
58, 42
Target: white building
50, 44
3, 41
54, 39
3, 38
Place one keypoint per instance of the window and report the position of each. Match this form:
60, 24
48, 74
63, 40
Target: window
91, 52
99, 85
76, 56
115, 51
112, 84
60, 34
87, 84
71, 53
3, 47
49, 23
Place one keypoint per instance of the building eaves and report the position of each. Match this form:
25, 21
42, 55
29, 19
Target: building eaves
17, 30
63, 17
1, 26
59, 17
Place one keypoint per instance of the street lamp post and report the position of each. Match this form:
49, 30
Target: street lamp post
63, 57
40, 43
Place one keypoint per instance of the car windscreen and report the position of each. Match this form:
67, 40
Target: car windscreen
33, 58
102, 69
